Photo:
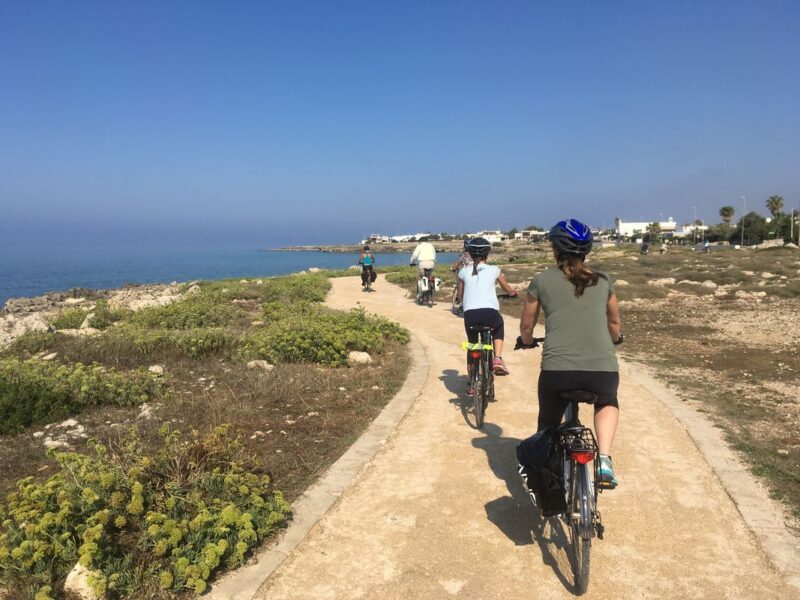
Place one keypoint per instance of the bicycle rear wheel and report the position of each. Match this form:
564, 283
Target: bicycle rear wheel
581, 516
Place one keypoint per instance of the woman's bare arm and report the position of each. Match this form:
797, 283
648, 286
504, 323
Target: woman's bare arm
506, 287
612, 314
530, 315
460, 294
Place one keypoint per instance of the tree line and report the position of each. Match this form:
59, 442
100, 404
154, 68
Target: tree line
756, 227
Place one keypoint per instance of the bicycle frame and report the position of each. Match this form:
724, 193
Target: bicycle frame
480, 356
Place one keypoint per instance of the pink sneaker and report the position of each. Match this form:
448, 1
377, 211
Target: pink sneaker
499, 366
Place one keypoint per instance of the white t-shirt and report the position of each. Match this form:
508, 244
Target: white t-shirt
479, 290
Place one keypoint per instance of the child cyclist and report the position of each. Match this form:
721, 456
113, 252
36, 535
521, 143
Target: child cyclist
367, 262
476, 292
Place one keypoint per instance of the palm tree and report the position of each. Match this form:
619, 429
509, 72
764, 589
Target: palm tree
727, 212
774, 204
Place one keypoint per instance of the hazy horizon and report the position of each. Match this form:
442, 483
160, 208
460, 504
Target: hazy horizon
274, 124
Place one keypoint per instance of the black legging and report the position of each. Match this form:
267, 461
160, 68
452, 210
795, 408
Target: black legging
552, 383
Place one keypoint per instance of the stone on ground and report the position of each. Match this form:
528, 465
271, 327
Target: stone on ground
358, 358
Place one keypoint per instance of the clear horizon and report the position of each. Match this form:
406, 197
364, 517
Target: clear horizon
271, 125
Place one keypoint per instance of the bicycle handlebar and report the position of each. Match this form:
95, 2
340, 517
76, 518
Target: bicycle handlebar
507, 296
522, 346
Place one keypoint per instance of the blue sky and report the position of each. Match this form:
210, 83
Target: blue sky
276, 123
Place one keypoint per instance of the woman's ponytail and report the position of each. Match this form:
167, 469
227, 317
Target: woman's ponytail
577, 273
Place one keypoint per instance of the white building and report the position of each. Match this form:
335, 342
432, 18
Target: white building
492, 236
530, 235
631, 229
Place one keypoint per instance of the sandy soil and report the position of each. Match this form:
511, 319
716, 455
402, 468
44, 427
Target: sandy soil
441, 512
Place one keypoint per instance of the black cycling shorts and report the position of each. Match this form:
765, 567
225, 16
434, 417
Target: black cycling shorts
483, 317
552, 383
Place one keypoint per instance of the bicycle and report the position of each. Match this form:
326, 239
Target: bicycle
578, 452
426, 290
480, 360
366, 284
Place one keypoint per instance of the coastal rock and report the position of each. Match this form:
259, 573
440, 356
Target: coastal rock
243, 281
88, 332
358, 358
77, 583
28, 324
709, 284
621, 282
688, 282
145, 412
260, 364
145, 296
157, 369
256, 323
314, 270
664, 281
50, 356
50, 443
70, 301
192, 290
87, 322
767, 275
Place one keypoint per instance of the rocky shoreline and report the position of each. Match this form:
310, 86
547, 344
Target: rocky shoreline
22, 315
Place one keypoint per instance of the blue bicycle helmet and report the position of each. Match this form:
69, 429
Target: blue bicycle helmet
571, 237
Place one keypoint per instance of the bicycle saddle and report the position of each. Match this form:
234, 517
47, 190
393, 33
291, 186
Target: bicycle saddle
482, 328
579, 396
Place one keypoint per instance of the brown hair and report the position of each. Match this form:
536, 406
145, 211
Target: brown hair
577, 273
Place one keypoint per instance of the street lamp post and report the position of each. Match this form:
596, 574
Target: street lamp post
694, 225
744, 209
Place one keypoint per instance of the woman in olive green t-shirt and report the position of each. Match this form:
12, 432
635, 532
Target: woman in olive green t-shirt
582, 326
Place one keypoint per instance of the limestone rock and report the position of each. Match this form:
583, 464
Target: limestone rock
314, 270
621, 282
38, 434
358, 358
50, 356
70, 301
145, 412
256, 323
157, 369
767, 275
193, 289
260, 364
77, 583
87, 322
709, 284
664, 281
87, 332
50, 443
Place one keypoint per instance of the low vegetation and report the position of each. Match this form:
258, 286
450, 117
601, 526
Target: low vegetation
33, 391
140, 523
291, 421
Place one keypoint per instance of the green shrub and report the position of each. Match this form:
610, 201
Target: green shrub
313, 333
195, 311
104, 317
33, 391
403, 277
139, 524
71, 318
30, 343
312, 287
191, 342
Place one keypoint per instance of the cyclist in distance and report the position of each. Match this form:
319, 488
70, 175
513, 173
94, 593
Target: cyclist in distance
477, 293
582, 326
367, 262
424, 257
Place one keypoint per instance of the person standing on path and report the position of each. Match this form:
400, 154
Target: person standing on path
477, 293
367, 262
582, 325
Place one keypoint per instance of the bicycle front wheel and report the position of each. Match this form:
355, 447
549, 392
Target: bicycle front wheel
581, 514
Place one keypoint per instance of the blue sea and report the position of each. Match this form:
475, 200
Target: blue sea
32, 273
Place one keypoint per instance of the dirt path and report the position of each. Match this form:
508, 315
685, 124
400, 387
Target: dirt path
441, 512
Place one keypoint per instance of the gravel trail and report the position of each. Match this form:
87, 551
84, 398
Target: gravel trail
440, 511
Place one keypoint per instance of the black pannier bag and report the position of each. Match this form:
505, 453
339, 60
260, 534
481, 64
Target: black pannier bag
542, 466
372, 275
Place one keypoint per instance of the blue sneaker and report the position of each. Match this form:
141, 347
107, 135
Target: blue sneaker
607, 478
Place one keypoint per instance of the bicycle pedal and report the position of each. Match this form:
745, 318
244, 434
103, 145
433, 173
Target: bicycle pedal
600, 531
